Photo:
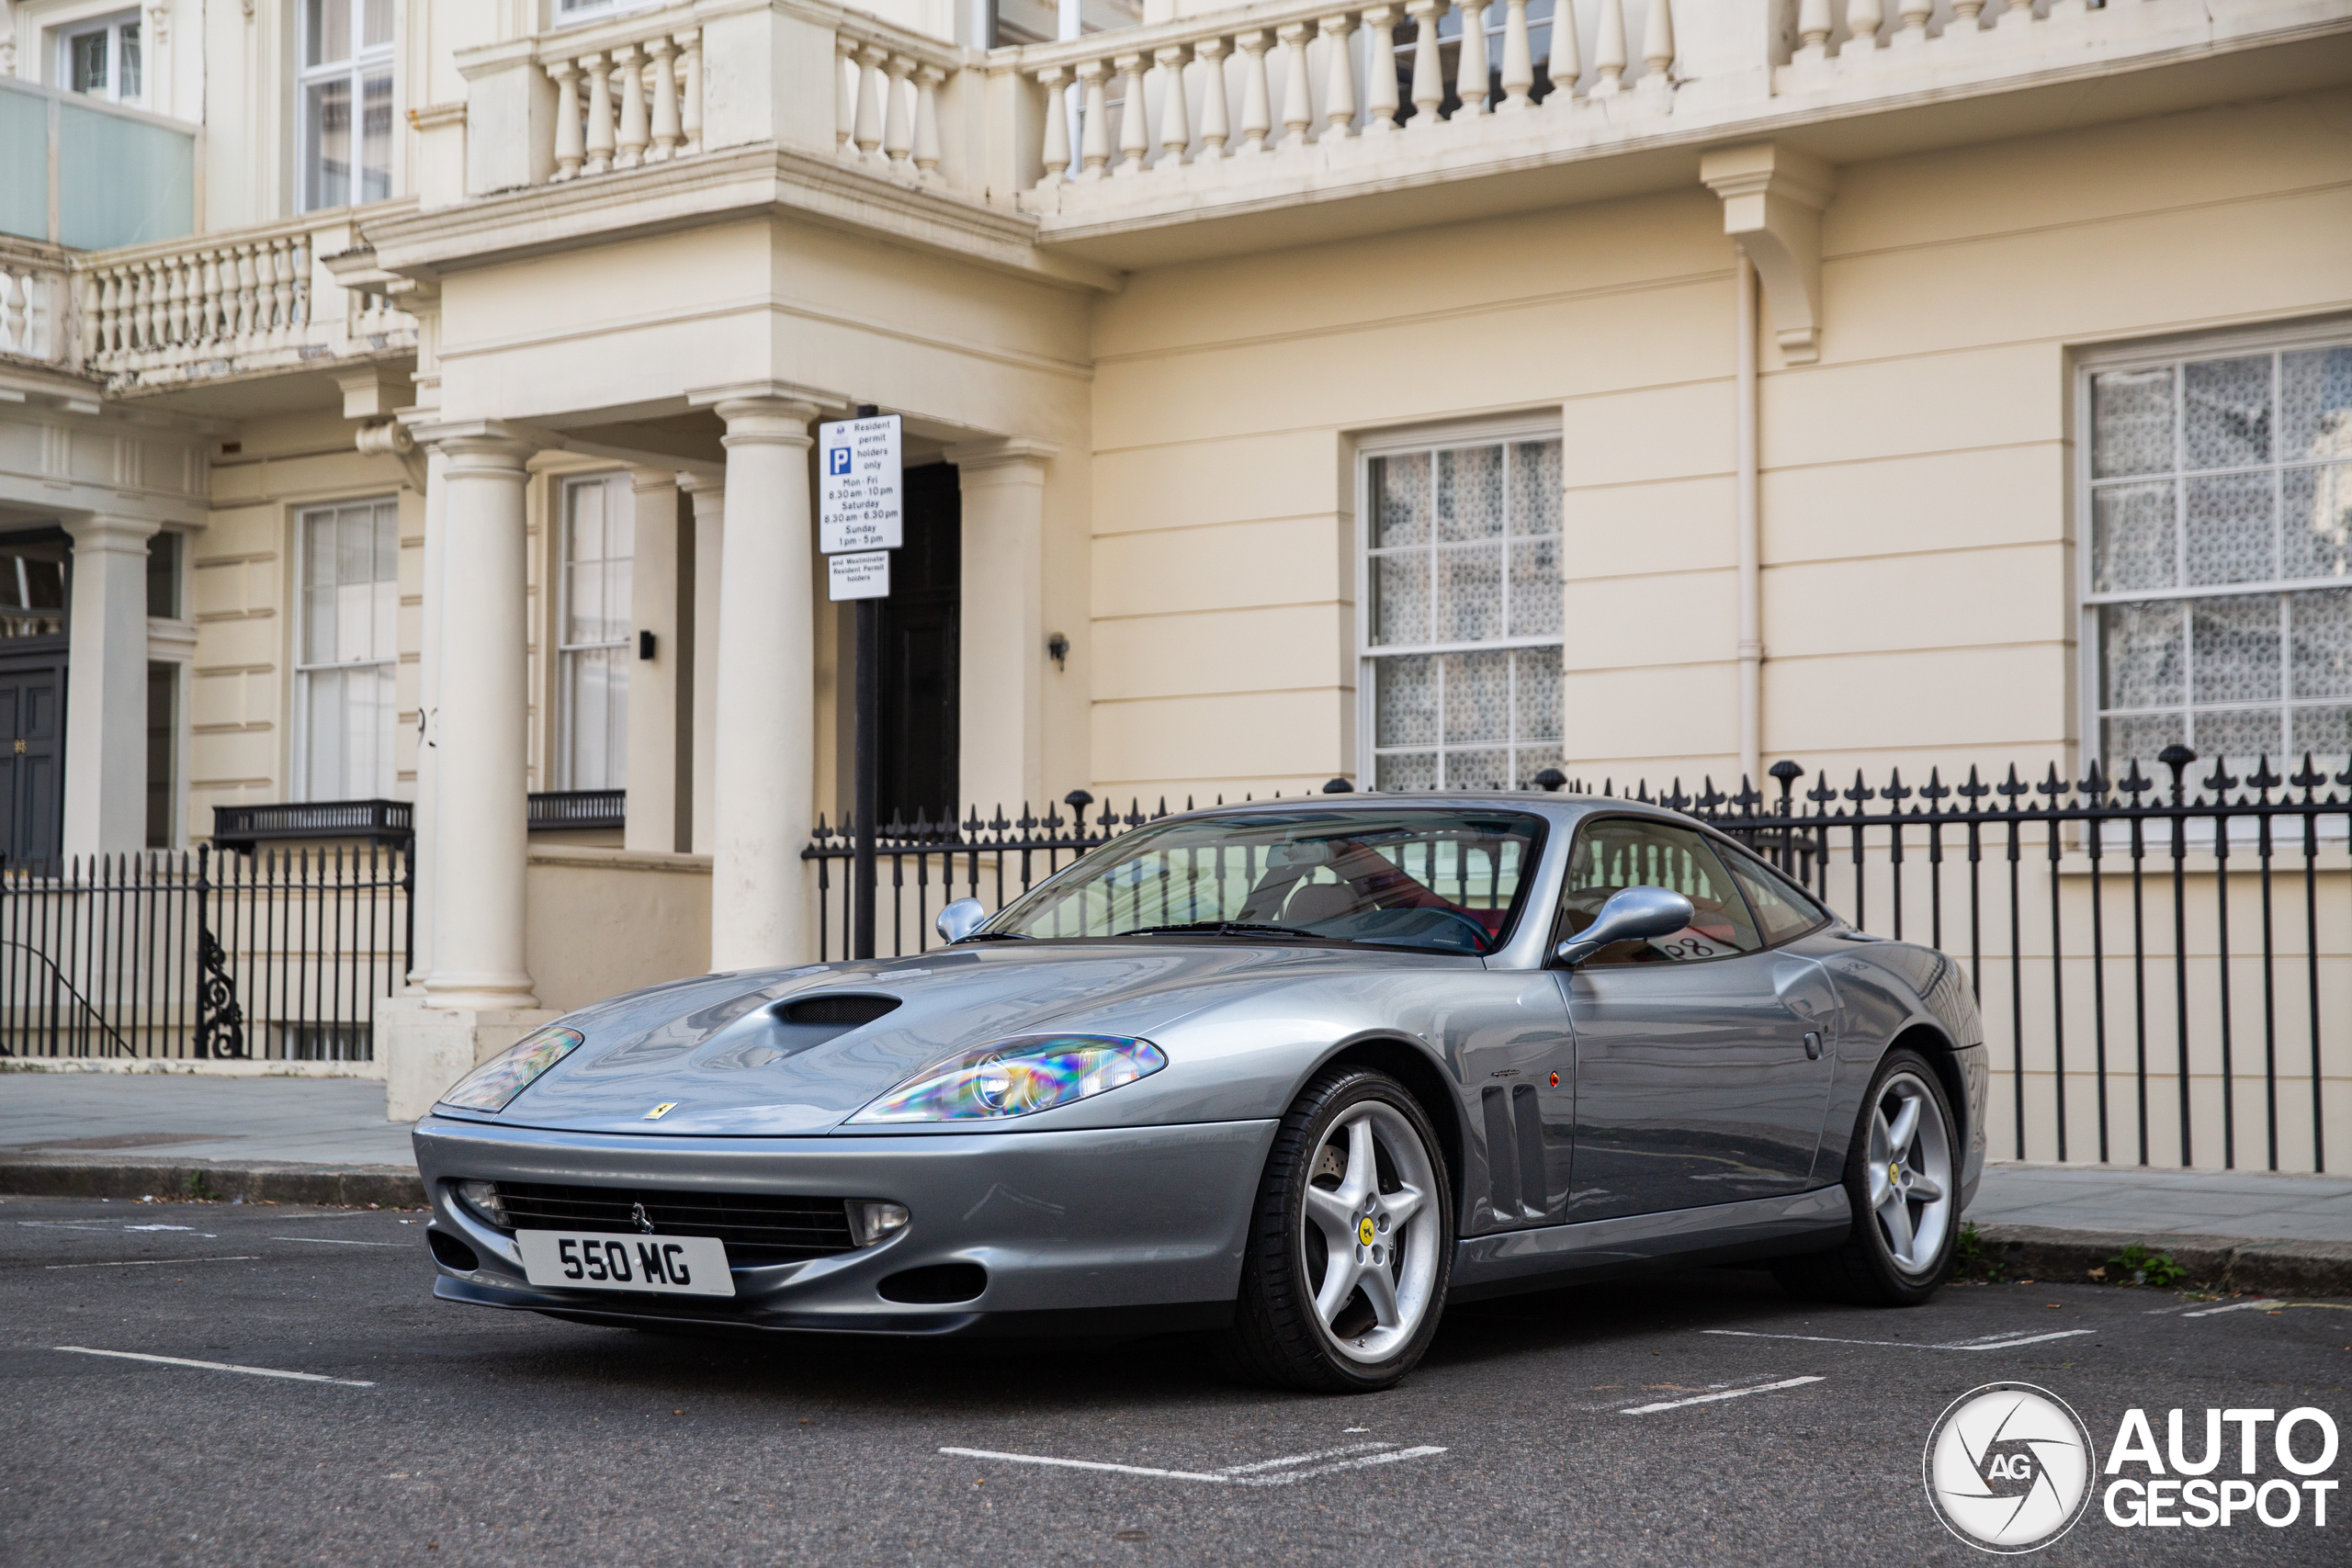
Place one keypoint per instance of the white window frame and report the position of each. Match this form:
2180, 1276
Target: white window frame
620, 491
299, 762
365, 59
112, 24
2147, 355
1402, 442
580, 13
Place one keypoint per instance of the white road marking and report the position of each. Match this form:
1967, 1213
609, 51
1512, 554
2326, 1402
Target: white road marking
2234, 1306
1711, 1398
2010, 1342
214, 1366
1264, 1473
1302, 1458
159, 1227
336, 1241
156, 1262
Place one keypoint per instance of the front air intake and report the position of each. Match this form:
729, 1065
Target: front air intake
842, 1010
937, 1285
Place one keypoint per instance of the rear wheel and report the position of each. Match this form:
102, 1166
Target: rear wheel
1902, 1177
1351, 1243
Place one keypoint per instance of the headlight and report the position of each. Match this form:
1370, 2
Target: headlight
1013, 1077
500, 1079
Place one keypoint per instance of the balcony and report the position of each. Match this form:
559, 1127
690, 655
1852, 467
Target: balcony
1221, 132
244, 302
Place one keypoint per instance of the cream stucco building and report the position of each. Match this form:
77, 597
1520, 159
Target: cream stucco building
418, 400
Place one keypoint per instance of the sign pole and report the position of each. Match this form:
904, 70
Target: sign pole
860, 520
866, 763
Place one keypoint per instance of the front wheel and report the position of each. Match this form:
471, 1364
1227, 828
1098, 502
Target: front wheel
1903, 1177
1351, 1243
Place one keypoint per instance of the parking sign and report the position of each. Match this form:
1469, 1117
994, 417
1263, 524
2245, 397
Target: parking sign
857, 490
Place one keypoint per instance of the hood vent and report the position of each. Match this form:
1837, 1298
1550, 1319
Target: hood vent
841, 1011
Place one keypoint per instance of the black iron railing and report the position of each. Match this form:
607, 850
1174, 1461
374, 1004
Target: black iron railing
578, 808
278, 955
2164, 965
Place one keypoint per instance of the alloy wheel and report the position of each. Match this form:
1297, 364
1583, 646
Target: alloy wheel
1910, 1172
1370, 1231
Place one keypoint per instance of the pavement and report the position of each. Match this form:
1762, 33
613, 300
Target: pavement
326, 1141
205, 1383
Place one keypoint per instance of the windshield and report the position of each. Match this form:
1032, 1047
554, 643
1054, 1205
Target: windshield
1441, 880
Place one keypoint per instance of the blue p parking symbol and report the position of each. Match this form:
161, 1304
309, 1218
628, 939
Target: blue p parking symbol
837, 460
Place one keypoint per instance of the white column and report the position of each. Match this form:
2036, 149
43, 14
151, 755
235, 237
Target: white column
763, 784
710, 531
1002, 651
105, 706
428, 698
653, 695
481, 840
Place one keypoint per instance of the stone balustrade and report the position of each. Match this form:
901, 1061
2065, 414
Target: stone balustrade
626, 95
1206, 100
887, 86
223, 303
33, 315
1839, 37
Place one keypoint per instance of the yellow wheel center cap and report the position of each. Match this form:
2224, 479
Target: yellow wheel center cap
1365, 1231
1894, 1173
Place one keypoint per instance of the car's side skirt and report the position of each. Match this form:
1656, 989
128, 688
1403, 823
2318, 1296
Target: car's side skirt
1719, 1233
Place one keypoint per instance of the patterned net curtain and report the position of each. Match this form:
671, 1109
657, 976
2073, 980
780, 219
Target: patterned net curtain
1463, 651
2222, 558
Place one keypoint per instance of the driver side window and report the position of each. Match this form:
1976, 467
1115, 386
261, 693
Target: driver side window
1615, 854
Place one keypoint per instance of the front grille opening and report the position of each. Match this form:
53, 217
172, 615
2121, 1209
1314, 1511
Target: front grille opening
451, 1252
841, 1008
759, 1228
937, 1285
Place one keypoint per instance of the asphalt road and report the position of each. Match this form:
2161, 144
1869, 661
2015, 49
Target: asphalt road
1561, 1425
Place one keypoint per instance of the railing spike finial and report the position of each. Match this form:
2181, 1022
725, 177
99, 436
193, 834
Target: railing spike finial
2054, 787
2221, 781
1974, 790
2012, 788
2134, 783
2094, 784
1861, 792
2308, 778
1710, 797
1749, 797
2263, 779
1895, 791
1823, 792
1677, 800
1935, 791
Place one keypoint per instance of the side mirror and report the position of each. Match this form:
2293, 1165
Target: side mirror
1632, 914
959, 920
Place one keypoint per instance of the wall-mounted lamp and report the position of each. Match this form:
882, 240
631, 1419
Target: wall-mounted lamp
1058, 648
645, 645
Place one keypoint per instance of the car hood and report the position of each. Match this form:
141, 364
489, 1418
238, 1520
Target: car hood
727, 1052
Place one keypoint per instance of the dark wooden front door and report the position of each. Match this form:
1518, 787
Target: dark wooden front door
32, 762
918, 750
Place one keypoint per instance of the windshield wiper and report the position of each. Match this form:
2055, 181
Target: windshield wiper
998, 936
1223, 928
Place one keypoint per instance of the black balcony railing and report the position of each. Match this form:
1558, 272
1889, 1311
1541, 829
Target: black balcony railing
2161, 964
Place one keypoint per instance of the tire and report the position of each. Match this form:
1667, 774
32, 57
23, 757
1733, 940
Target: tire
1312, 1219
1874, 1267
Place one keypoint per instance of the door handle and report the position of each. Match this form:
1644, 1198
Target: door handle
1812, 1045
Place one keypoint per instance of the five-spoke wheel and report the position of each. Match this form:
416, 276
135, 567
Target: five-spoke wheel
1903, 1180
1351, 1243
1910, 1172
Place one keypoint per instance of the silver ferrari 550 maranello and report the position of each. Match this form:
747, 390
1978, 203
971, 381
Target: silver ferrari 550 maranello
1299, 1073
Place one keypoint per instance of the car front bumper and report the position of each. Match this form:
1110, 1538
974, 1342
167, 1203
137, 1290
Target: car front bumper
1118, 1229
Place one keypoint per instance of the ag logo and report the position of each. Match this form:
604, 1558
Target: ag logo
2008, 1467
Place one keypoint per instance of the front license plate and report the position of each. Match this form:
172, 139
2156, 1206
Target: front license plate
666, 1265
